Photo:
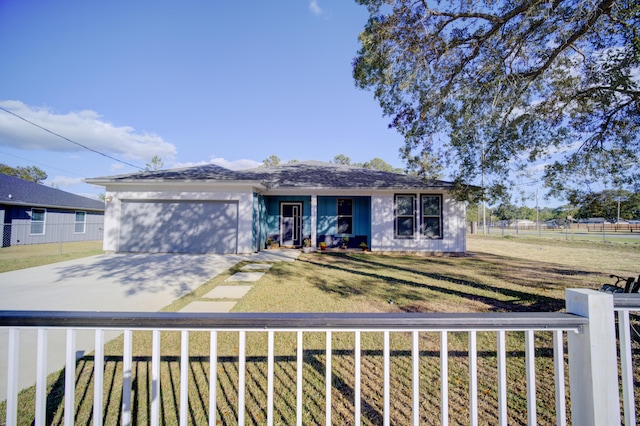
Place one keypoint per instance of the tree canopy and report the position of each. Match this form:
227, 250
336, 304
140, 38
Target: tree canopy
154, 165
605, 204
530, 83
272, 160
30, 173
341, 159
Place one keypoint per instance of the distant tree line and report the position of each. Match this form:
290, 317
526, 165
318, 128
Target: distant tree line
425, 168
602, 204
30, 173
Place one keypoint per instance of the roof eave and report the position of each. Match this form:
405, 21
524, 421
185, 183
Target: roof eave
176, 182
50, 206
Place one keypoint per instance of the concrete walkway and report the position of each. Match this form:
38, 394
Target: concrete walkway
113, 282
224, 297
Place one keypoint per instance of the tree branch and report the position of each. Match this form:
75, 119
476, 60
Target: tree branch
603, 7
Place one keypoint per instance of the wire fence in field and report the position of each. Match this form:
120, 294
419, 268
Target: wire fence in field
569, 231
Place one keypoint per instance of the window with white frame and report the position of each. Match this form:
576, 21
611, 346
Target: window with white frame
405, 221
345, 216
432, 216
37, 221
80, 222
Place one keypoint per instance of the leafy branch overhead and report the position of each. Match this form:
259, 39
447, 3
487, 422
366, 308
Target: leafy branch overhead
536, 83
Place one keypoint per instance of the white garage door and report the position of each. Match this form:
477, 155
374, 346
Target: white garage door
179, 227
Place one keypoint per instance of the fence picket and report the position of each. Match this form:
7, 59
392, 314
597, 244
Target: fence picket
213, 377
530, 361
444, 378
126, 377
70, 380
473, 379
98, 374
184, 376
12, 376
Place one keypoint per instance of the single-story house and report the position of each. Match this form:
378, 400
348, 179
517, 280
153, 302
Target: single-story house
210, 209
32, 213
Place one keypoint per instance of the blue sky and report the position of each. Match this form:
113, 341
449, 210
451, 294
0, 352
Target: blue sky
193, 81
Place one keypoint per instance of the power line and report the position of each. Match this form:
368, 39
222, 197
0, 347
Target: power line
69, 140
41, 164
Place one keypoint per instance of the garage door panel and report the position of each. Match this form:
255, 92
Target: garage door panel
179, 227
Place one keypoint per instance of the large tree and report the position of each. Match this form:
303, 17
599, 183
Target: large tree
527, 82
379, 164
30, 173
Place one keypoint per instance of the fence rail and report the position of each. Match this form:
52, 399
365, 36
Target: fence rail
593, 394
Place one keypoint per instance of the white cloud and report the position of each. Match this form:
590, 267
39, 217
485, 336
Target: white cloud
63, 181
84, 127
315, 8
229, 164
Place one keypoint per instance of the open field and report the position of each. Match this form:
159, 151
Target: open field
576, 232
28, 256
499, 274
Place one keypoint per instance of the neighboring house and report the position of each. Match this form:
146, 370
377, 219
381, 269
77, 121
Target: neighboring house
210, 209
32, 213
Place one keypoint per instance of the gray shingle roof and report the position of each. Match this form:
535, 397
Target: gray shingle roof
315, 174
206, 172
16, 191
302, 174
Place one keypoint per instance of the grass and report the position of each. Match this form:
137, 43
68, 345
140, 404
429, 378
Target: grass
500, 274
28, 256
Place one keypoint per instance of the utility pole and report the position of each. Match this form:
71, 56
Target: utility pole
537, 213
484, 217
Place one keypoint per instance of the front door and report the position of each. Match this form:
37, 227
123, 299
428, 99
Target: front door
291, 224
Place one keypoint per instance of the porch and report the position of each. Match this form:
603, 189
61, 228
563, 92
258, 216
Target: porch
337, 368
334, 220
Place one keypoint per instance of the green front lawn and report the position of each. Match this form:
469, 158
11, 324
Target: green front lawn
28, 256
499, 274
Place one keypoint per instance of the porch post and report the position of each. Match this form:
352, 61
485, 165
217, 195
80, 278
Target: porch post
593, 364
314, 220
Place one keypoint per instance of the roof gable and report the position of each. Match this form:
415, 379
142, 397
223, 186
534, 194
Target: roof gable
16, 191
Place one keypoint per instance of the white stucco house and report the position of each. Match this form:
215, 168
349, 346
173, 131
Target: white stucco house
210, 209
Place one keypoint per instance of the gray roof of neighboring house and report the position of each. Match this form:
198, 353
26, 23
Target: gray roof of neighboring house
19, 192
302, 174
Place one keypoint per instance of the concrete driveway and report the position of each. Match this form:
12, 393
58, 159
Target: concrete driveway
114, 282
109, 282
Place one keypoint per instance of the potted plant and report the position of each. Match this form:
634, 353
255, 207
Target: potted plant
364, 246
323, 245
306, 245
345, 241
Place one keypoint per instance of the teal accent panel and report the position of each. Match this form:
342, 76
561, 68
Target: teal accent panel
258, 237
259, 221
328, 216
272, 214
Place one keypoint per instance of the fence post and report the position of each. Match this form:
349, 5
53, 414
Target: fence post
593, 364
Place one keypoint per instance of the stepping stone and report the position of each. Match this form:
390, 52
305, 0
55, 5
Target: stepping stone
246, 276
208, 307
257, 267
228, 292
